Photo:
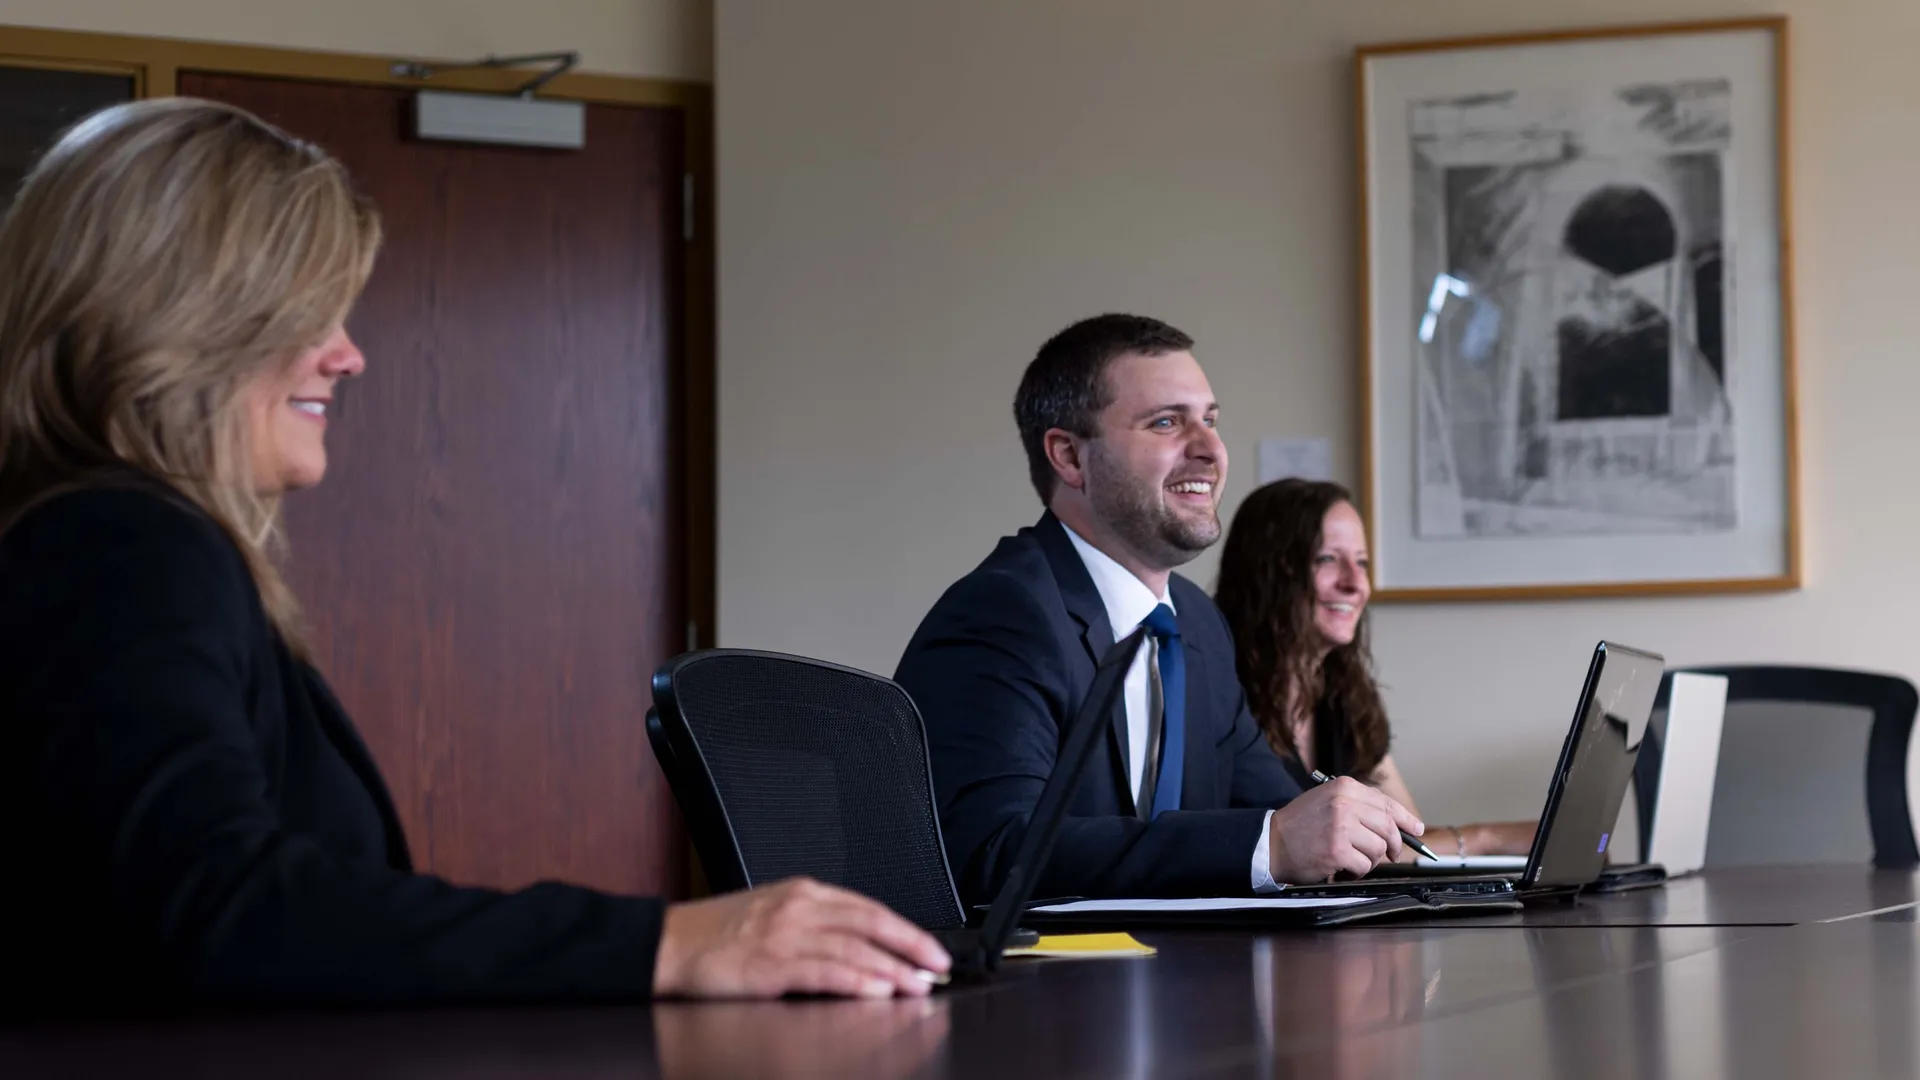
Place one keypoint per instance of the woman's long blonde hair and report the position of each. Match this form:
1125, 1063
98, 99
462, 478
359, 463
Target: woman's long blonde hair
158, 259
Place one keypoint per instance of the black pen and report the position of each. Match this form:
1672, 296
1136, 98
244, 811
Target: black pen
1322, 778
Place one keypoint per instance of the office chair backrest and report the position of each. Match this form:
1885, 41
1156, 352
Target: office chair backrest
785, 766
1801, 750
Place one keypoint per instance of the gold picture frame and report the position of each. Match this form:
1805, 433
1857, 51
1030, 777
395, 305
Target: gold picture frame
1577, 352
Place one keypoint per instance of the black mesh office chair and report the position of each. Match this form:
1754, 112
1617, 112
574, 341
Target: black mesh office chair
1891, 700
784, 766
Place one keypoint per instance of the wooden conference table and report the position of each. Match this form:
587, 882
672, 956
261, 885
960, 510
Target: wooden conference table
1789, 971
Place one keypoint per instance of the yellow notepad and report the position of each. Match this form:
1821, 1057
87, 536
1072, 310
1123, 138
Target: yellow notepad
1086, 946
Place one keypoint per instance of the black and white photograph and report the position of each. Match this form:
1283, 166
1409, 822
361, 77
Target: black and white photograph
1573, 369
1576, 315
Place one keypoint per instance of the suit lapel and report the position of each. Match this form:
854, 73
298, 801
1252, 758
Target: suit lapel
1083, 603
333, 720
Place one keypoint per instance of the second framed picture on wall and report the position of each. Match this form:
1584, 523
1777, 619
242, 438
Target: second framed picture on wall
1577, 313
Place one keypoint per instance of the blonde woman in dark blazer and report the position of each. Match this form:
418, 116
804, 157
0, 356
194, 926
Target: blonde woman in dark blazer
187, 812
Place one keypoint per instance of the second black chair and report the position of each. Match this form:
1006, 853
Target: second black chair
785, 766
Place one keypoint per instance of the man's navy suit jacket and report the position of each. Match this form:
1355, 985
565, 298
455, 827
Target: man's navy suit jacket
998, 668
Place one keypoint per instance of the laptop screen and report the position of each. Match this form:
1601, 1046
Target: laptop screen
1596, 763
1688, 761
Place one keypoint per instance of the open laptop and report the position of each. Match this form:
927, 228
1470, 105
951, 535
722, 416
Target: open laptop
1583, 797
976, 953
1689, 760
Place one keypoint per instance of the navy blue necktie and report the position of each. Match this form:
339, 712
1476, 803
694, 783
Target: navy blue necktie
1173, 694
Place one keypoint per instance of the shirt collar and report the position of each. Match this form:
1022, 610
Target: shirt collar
1127, 599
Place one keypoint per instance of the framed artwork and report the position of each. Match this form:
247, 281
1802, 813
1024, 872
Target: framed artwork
1576, 313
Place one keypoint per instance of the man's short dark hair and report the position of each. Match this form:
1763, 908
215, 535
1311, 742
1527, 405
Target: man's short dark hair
1066, 385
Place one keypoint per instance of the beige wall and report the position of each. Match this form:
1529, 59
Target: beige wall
914, 195
668, 39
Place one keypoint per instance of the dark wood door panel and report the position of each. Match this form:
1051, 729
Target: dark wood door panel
38, 104
494, 565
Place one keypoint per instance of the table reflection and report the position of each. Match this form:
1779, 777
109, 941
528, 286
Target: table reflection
503, 1043
801, 1039
1820, 1000
1337, 992
1838, 999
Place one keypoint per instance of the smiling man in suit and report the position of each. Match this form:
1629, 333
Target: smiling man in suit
1119, 426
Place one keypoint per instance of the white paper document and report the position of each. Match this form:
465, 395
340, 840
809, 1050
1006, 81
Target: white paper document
1308, 459
1216, 903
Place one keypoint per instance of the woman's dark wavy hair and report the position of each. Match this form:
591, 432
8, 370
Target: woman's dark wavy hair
1266, 590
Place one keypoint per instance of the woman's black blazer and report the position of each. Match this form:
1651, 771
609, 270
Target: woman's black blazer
186, 814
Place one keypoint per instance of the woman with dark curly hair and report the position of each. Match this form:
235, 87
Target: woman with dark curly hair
1294, 587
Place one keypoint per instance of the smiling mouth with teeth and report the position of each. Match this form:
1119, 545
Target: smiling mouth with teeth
1192, 487
312, 408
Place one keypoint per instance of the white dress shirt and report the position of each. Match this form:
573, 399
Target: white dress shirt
1128, 602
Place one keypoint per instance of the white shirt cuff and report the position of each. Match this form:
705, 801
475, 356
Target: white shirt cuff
1263, 882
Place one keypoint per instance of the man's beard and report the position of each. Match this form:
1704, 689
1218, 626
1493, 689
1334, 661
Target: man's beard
1135, 511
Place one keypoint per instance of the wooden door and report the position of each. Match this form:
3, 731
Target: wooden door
495, 564
37, 104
